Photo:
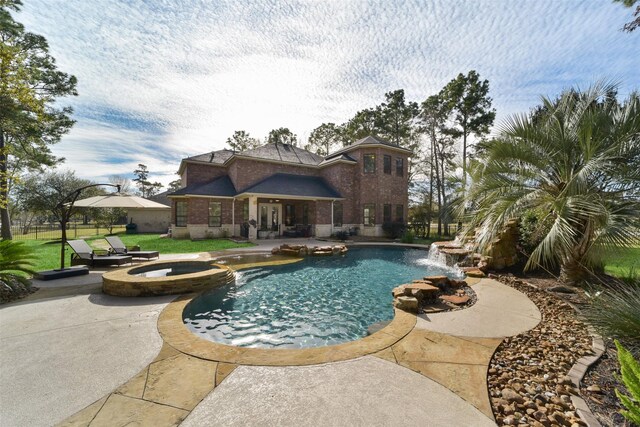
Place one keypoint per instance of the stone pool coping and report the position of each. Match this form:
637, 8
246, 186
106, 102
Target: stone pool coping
175, 333
122, 283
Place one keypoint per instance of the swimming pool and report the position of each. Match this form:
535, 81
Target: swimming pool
315, 302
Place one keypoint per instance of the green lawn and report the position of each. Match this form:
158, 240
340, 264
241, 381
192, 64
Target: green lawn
433, 238
623, 263
48, 251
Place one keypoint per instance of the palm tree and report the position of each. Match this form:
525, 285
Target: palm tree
576, 160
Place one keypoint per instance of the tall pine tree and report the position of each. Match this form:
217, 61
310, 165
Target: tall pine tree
30, 119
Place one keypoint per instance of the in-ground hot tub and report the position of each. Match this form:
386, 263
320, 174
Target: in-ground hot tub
166, 278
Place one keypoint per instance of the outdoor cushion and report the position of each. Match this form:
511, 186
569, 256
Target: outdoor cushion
119, 248
85, 255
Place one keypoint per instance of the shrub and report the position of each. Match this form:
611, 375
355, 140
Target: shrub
630, 372
393, 230
615, 311
532, 230
16, 260
341, 235
408, 236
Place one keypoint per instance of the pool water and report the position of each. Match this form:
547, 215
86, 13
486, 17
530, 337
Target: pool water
171, 269
316, 302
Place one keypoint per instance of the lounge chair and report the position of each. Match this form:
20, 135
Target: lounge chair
85, 255
120, 249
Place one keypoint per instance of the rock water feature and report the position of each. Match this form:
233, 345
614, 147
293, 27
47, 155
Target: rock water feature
303, 250
439, 293
501, 252
431, 294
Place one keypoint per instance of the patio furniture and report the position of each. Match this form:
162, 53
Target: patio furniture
300, 230
120, 249
85, 255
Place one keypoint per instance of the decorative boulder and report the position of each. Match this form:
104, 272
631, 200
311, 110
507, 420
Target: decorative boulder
399, 291
474, 272
457, 283
456, 299
422, 291
437, 280
405, 303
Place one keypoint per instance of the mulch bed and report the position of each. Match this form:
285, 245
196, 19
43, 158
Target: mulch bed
599, 385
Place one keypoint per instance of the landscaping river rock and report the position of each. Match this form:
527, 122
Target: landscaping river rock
527, 377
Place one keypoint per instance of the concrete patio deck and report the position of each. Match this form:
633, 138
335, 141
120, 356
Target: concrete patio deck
67, 352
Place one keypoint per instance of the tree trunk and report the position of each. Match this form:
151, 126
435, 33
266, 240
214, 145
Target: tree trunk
5, 232
63, 240
430, 207
573, 272
464, 165
444, 199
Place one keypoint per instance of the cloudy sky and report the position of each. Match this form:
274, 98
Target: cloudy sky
163, 79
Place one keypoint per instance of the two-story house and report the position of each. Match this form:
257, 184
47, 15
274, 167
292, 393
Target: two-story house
279, 189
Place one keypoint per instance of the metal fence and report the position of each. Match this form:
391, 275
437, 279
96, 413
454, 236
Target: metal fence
420, 229
53, 231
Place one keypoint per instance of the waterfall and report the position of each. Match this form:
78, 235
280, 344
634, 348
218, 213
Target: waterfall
437, 257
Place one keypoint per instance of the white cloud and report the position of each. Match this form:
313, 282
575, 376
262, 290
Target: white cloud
186, 74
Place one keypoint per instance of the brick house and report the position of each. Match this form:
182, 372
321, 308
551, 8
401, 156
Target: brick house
282, 190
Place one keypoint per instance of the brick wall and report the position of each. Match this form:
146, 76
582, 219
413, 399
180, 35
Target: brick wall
341, 177
198, 210
350, 181
379, 188
245, 172
199, 172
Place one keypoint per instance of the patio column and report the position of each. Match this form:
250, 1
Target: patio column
233, 217
331, 217
253, 218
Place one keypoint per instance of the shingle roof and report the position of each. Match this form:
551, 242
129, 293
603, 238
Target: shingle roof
339, 157
161, 198
369, 140
285, 184
215, 157
283, 153
221, 187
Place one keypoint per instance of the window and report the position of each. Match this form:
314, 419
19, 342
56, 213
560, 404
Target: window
369, 163
245, 211
399, 213
215, 214
264, 218
181, 214
337, 214
399, 167
387, 164
386, 213
305, 214
369, 214
289, 215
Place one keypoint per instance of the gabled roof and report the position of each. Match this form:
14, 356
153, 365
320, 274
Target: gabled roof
284, 184
283, 153
218, 187
338, 158
214, 157
368, 141
161, 198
